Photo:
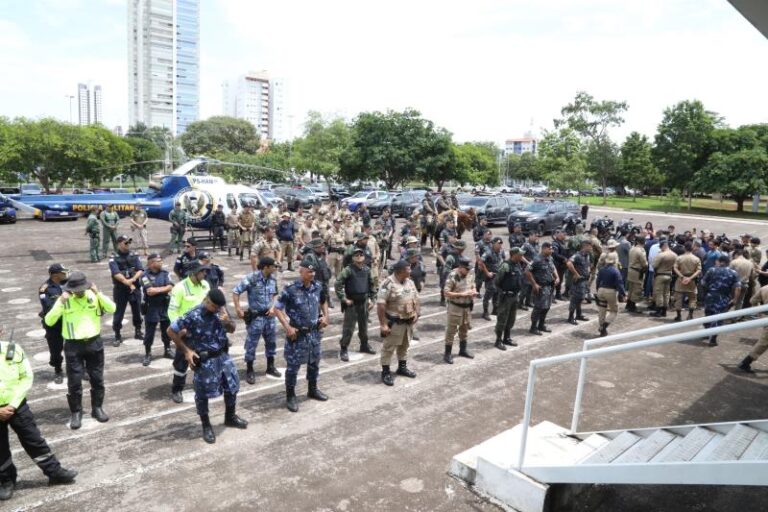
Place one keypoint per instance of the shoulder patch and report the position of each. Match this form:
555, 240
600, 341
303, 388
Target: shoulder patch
44, 288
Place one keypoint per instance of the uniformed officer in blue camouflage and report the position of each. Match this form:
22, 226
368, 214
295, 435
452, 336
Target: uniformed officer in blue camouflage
579, 266
50, 291
262, 290
157, 288
722, 285
542, 277
204, 346
302, 310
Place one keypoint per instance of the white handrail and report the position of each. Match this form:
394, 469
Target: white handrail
605, 351
642, 332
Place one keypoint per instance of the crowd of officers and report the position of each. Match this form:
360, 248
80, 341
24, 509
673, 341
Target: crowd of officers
346, 255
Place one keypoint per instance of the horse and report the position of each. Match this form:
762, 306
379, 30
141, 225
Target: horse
428, 227
465, 221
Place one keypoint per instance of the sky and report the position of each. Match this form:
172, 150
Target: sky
484, 70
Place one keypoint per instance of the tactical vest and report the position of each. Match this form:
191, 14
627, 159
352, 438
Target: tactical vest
356, 285
124, 264
285, 231
160, 299
512, 280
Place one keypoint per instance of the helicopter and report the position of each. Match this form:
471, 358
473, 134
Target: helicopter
198, 192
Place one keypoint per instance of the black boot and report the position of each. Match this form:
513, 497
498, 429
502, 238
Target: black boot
402, 369
137, 334
208, 434
177, 396
746, 365
168, 353
463, 350
629, 306
579, 316
386, 376
660, 312
250, 375
118, 339
229, 252
690, 314
604, 329
499, 344
147, 359
679, 316
713, 341
231, 419
76, 409
442, 299
571, 319
344, 354
486, 316
290, 399
448, 356
6, 490
315, 393
541, 326
58, 377
271, 370
366, 348
62, 476
97, 400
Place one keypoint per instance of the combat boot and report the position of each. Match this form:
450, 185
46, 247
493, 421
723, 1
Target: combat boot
344, 354
250, 375
679, 316
76, 409
168, 353
442, 299
386, 376
209, 436
177, 396
508, 341
604, 329
499, 345
448, 356
402, 369
746, 365
713, 341
229, 252
118, 339
534, 327
366, 348
486, 316
315, 393
97, 400
6, 490
62, 476
542, 318
690, 314
58, 377
579, 316
147, 359
463, 350
241, 255
571, 319
290, 399
271, 370
233, 420
137, 334
659, 313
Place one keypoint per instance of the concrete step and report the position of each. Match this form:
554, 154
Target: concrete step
647, 448
588, 446
613, 449
689, 446
734, 443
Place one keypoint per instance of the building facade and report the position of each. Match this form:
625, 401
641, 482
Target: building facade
89, 110
261, 101
164, 63
520, 146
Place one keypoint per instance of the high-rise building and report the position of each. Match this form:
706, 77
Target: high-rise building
164, 63
258, 99
83, 105
520, 146
96, 115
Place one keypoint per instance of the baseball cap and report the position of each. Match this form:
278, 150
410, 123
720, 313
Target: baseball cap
124, 238
57, 268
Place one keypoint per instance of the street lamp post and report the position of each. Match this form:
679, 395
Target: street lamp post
70, 106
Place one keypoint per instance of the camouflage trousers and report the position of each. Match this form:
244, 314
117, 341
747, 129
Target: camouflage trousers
506, 313
260, 326
355, 314
304, 350
212, 378
94, 247
233, 238
177, 237
108, 237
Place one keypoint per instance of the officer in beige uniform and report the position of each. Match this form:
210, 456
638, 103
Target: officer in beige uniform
398, 308
267, 247
334, 241
459, 292
349, 228
759, 298
663, 265
687, 268
638, 266
233, 232
246, 221
746, 269
323, 225
305, 232
375, 250
610, 248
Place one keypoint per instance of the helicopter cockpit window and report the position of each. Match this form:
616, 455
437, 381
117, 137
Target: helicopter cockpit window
231, 203
250, 200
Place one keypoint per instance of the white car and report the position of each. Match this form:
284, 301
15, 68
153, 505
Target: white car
319, 192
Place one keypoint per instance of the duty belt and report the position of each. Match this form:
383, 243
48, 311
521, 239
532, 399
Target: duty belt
303, 329
398, 320
509, 292
663, 273
459, 304
209, 354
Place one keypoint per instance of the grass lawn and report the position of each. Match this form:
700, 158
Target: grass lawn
725, 208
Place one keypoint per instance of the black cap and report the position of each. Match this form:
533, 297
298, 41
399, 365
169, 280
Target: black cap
57, 268
724, 258
191, 241
545, 245
400, 265
358, 250
154, 256
196, 267
217, 297
265, 261
463, 262
307, 263
203, 256
496, 240
124, 238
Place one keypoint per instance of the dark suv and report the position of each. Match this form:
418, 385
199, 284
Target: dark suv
542, 216
295, 197
493, 208
404, 203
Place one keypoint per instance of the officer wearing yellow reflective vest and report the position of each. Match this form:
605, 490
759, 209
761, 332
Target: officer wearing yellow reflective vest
15, 381
81, 307
186, 294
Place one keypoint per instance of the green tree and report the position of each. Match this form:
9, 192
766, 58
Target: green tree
591, 119
477, 163
636, 166
602, 159
162, 138
523, 167
146, 155
271, 164
562, 160
320, 149
220, 134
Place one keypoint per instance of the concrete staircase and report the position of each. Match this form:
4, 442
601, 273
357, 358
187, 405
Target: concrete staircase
734, 453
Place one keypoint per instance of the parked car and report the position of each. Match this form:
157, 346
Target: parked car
295, 197
338, 193
376, 206
320, 192
270, 196
542, 216
7, 212
46, 215
31, 189
515, 202
538, 190
404, 203
493, 208
364, 196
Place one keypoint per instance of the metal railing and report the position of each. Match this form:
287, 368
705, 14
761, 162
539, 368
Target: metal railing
605, 351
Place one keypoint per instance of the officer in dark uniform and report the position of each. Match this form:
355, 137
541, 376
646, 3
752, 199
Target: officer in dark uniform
481, 246
205, 350
542, 276
322, 275
49, 292
442, 204
560, 257
187, 258
157, 286
357, 293
126, 270
516, 237
579, 266
490, 261
218, 226
361, 241
530, 250
453, 201
479, 230
508, 281
448, 232
418, 273
303, 312
214, 275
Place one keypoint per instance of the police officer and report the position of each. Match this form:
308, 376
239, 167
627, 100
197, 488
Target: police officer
560, 257
460, 293
759, 298
15, 381
80, 308
233, 231
214, 275
516, 238
109, 221
449, 232
356, 292
479, 230
480, 247
453, 201
185, 295
722, 285
186, 259
334, 241
361, 241
386, 235
579, 266
139, 226
204, 348
663, 266
322, 272
530, 249
261, 287
455, 250
490, 261
610, 291
92, 230
267, 247
398, 309
179, 220
688, 269
542, 276
638, 265
286, 231
246, 222
418, 273
50, 291
157, 287
126, 270
302, 310
508, 281
442, 203
218, 226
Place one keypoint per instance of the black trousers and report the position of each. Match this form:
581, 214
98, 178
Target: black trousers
55, 345
23, 423
88, 357
122, 299
180, 367
149, 333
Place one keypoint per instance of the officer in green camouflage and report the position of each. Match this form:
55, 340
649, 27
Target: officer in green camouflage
109, 220
92, 230
357, 293
508, 282
179, 219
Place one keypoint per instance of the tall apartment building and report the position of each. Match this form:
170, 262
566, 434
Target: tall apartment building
89, 109
258, 99
164, 63
520, 146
